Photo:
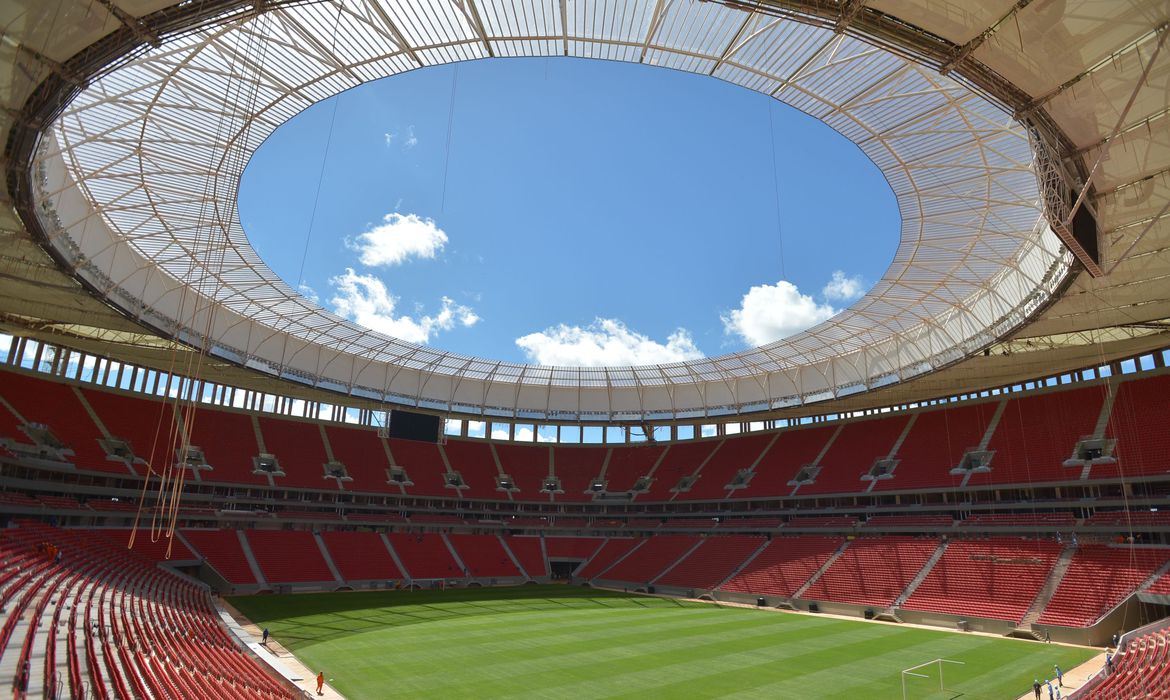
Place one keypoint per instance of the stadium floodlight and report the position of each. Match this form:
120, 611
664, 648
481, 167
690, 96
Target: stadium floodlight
911, 672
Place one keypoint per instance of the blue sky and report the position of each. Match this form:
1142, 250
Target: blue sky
569, 212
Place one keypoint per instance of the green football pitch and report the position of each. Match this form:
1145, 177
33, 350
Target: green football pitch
572, 642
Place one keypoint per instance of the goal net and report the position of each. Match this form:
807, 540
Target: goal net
928, 681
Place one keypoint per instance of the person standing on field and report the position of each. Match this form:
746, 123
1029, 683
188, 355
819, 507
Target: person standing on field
321, 683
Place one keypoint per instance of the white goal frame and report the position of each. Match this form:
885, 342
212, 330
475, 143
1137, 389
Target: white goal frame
940, 662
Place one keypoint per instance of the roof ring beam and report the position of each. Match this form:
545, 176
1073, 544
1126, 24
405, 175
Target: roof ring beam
967, 49
849, 10
132, 23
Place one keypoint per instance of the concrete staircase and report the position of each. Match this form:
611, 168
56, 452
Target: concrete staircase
917, 580
676, 562
252, 563
744, 564
394, 556
1045, 595
515, 561
619, 560
819, 572
458, 559
328, 559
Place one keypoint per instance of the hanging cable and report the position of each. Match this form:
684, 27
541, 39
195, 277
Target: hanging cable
776, 190
172, 476
450, 130
324, 158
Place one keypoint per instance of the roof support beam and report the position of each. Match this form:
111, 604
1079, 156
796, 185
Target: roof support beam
967, 49
733, 45
134, 25
655, 21
403, 44
56, 68
1145, 178
849, 10
1039, 102
1133, 244
469, 10
1146, 122
1116, 130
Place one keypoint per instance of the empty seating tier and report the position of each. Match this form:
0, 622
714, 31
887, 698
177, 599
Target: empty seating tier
423, 464
484, 556
853, 453
1141, 670
1033, 437
425, 556
148, 545
652, 558
733, 455
299, 449
1138, 421
628, 464
998, 578
222, 550
361, 556
229, 445
681, 459
361, 451
528, 466
529, 553
289, 556
785, 565
792, 450
873, 571
577, 467
614, 548
1098, 578
936, 444
476, 464
109, 623
714, 560
1036, 434
56, 405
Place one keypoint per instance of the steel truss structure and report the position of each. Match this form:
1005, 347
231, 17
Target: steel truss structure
132, 187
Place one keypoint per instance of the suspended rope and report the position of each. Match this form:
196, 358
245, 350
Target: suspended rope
450, 130
324, 159
776, 189
184, 393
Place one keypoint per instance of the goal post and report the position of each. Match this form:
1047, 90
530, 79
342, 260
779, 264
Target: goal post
911, 672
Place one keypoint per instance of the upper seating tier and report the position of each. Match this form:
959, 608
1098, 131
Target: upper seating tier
1033, 437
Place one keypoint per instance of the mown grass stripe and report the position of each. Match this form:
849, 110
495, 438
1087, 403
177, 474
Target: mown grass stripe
534, 642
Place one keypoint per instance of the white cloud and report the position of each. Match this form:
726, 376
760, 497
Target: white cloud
365, 300
606, 341
769, 312
399, 237
411, 140
389, 138
309, 292
842, 288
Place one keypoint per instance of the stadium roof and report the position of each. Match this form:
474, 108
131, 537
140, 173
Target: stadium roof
149, 113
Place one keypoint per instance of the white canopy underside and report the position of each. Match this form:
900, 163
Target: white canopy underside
137, 189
